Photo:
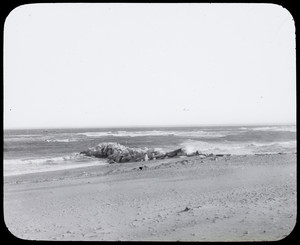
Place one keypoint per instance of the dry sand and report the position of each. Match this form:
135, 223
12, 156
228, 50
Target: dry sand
236, 198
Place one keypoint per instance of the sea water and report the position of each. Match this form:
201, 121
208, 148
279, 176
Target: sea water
39, 150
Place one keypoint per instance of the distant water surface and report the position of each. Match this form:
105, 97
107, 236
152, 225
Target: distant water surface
38, 150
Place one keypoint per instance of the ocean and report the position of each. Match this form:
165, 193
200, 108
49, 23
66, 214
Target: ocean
40, 150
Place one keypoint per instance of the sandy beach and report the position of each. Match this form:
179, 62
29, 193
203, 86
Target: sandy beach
229, 198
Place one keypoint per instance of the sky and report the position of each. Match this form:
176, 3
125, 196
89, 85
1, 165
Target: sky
102, 65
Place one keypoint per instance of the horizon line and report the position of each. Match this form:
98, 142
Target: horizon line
155, 126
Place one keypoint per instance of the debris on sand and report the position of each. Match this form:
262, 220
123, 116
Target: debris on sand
186, 209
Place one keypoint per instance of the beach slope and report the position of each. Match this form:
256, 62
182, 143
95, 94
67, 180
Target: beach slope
229, 198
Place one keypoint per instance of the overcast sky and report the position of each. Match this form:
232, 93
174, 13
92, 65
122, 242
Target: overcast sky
81, 65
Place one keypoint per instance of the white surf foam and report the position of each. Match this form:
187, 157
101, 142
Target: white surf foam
22, 166
126, 133
198, 133
239, 148
290, 128
11, 172
61, 140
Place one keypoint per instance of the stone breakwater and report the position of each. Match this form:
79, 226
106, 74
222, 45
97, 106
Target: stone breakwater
117, 153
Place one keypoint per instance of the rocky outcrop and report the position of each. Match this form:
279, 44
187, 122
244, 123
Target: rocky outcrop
116, 152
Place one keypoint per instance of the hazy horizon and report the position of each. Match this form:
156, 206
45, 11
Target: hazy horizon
159, 126
112, 65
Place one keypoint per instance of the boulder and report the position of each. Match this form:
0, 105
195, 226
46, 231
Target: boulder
125, 159
136, 157
178, 152
160, 156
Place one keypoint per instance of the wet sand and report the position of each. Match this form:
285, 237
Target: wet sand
229, 198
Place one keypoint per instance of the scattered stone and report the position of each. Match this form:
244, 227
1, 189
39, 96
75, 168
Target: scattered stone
186, 209
142, 167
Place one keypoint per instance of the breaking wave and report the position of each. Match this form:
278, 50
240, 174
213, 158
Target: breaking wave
61, 140
23, 166
275, 128
239, 148
198, 133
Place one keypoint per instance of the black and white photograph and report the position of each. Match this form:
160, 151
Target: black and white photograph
149, 122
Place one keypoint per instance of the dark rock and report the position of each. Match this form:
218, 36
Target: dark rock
177, 152
115, 152
118, 158
186, 209
160, 156
125, 159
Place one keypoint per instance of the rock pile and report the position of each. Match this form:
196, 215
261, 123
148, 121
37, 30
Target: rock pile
116, 152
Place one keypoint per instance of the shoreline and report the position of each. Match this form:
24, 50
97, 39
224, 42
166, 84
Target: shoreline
105, 162
230, 198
